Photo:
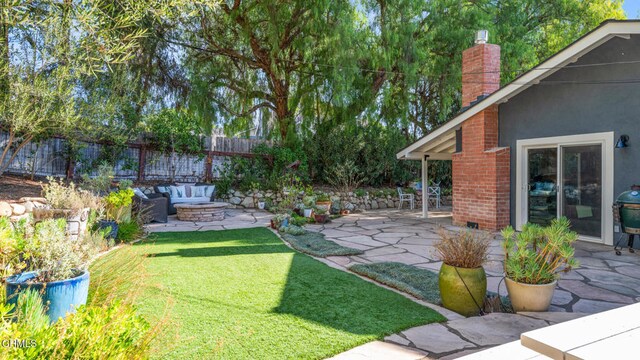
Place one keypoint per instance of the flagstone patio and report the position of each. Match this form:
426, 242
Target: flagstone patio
602, 282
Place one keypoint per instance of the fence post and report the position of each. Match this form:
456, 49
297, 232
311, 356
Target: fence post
142, 160
208, 167
71, 164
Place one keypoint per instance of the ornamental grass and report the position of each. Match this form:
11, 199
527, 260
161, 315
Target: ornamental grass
465, 248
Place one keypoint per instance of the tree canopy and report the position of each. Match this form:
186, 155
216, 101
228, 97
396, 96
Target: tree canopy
302, 73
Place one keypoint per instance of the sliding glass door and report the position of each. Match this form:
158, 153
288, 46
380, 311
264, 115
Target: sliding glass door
581, 196
567, 176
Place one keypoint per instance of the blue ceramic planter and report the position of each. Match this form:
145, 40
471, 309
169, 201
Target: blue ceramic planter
61, 297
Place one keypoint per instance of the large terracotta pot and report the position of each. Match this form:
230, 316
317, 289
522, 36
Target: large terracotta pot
454, 293
528, 297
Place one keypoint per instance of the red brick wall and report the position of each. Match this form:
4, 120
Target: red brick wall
481, 171
480, 71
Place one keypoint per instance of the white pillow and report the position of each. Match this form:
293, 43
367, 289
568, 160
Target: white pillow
208, 190
197, 191
178, 191
139, 193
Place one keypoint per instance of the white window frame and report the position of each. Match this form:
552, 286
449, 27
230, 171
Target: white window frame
606, 139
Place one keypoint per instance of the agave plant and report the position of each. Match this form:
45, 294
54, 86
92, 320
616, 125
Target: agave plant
538, 255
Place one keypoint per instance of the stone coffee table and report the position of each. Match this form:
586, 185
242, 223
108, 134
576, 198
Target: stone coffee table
203, 212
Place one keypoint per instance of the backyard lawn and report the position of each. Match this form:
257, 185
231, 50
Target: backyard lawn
244, 294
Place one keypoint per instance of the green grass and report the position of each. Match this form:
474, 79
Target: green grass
243, 294
413, 280
315, 244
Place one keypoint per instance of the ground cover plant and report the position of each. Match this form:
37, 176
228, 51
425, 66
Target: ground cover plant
244, 294
420, 283
314, 243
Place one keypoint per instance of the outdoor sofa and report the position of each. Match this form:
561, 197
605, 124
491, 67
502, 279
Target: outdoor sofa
196, 193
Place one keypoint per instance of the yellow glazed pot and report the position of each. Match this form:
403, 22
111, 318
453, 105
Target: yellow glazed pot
528, 297
455, 295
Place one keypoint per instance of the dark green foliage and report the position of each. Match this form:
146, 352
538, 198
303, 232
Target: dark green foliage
129, 231
314, 243
421, 283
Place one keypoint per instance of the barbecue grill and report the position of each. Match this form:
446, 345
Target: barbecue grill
626, 212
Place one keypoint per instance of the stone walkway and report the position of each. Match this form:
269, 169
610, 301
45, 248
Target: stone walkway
603, 281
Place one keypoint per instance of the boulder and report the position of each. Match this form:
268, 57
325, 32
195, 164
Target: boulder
247, 202
5, 209
18, 209
235, 200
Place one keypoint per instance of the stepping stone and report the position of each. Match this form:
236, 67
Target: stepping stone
553, 317
336, 233
383, 235
350, 244
610, 277
397, 339
434, 266
629, 271
561, 297
617, 288
592, 307
362, 240
495, 328
405, 258
378, 350
590, 262
436, 339
585, 291
340, 260
387, 250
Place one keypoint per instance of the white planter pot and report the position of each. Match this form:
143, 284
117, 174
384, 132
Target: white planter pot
308, 212
261, 205
527, 297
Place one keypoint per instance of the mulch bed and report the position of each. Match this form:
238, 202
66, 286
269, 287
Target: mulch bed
14, 187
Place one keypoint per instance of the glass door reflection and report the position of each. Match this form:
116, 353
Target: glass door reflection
542, 199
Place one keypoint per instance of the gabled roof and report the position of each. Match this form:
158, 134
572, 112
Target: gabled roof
440, 143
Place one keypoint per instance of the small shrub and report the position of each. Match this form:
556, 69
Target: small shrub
118, 204
359, 192
101, 183
538, 255
465, 248
129, 231
293, 230
61, 196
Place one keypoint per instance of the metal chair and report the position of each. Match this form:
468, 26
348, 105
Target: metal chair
435, 191
406, 197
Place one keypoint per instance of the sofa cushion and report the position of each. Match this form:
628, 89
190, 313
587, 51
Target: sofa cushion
178, 191
203, 190
201, 199
139, 193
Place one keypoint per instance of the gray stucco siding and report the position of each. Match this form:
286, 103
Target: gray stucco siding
554, 108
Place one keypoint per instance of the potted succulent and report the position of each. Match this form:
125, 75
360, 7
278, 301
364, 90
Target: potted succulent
54, 267
323, 201
280, 220
69, 203
462, 280
320, 215
309, 202
533, 261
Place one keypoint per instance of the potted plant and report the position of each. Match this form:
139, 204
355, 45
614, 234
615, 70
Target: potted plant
118, 210
533, 261
323, 201
308, 201
320, 215
280, 220
69, 203
462, 280
54, 267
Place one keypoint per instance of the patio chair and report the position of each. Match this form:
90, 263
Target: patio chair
405, 197
155, 208
435, 191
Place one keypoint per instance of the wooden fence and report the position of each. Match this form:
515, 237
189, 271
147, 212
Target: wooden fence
137, 162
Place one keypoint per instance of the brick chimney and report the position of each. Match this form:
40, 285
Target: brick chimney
481, 169
480, 69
